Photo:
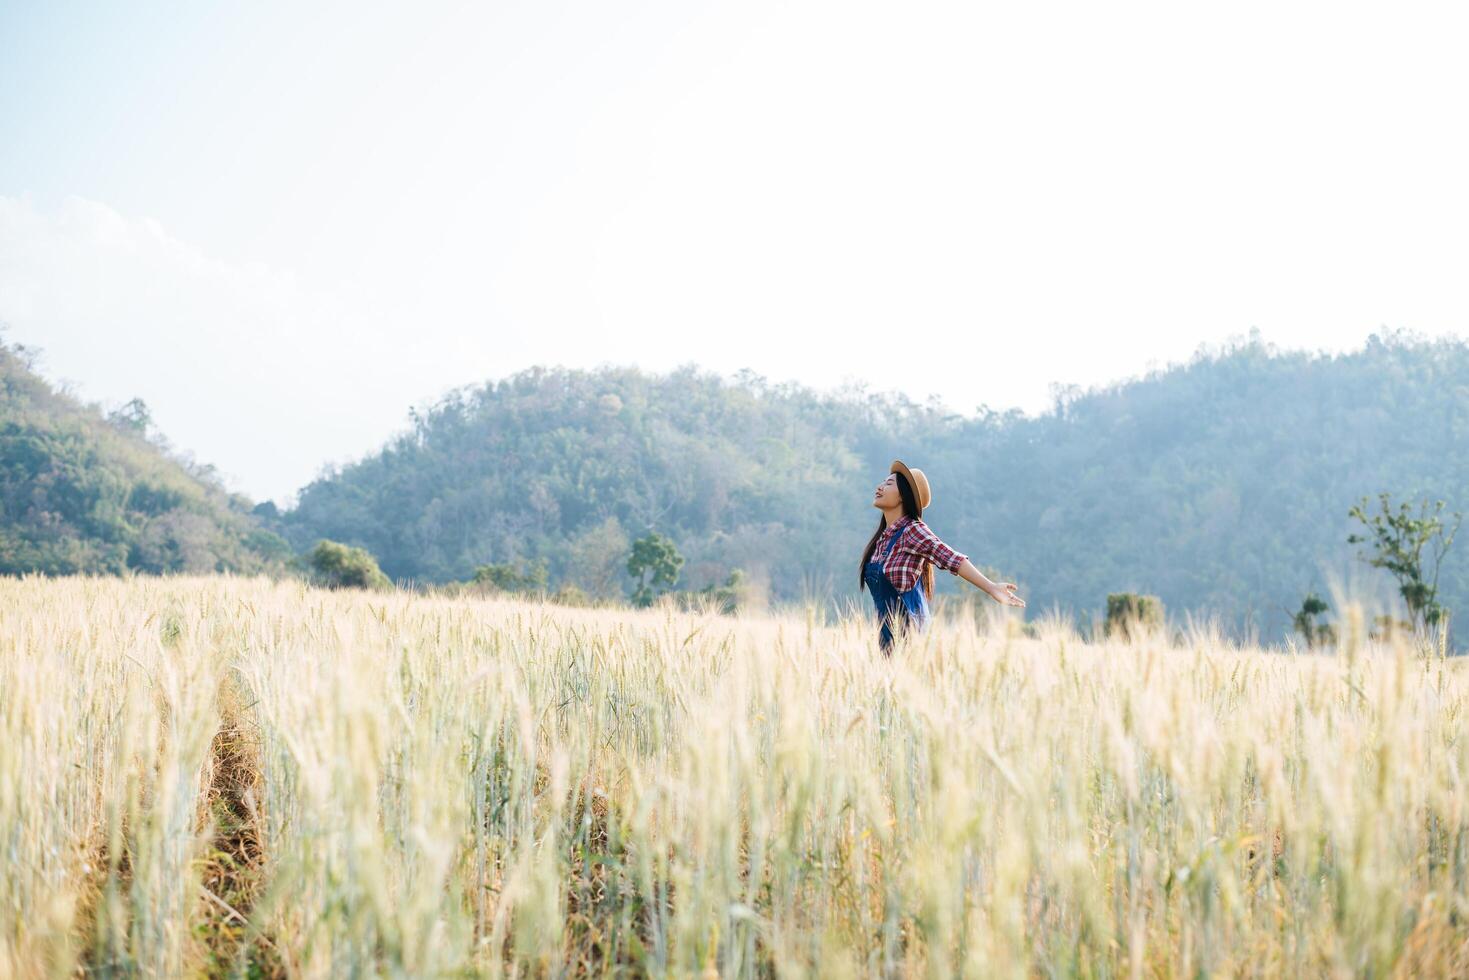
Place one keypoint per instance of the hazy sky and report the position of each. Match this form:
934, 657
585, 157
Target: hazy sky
282, 224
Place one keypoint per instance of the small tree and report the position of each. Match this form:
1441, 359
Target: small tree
653, 565
132, 417
1314, 633
1129, 613
1398, 538
339, 566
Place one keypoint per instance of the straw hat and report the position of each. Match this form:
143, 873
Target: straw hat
916, 480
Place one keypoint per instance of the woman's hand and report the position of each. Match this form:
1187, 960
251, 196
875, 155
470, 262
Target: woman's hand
1001, 592
1004, 594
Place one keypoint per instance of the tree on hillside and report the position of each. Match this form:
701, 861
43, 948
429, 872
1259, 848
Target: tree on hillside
1398, 537
132, 417
654, 565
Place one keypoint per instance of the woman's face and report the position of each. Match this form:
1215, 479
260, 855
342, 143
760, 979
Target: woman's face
887, 495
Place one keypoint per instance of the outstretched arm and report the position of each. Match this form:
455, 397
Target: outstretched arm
927, 544
1001, 592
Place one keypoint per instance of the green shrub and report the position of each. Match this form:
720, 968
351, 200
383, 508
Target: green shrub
340, 566
512, 578
1129, 614
571, 595
724, 598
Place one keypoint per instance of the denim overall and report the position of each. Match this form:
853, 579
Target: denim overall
911, 606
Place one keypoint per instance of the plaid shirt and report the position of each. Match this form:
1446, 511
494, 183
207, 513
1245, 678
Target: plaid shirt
918, 544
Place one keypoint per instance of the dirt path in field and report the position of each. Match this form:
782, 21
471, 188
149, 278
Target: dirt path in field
234, 866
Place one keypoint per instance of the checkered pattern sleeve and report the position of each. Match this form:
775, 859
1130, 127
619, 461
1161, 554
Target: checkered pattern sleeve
921, 540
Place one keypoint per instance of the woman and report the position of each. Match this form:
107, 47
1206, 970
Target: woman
897, 567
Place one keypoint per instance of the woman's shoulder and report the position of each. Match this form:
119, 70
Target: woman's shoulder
913, 523
922, 530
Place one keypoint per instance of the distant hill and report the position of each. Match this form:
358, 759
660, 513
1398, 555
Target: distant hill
568, 466
84, 493
1222, 484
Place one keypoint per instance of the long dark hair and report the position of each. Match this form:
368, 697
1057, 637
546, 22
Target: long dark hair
910, 509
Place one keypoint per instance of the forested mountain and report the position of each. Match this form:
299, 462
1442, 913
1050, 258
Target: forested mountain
80, 492
1222, 485
569, 466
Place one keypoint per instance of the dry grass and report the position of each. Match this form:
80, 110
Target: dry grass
237, 777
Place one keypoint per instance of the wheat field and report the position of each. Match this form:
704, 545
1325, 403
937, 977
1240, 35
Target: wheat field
239, 777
